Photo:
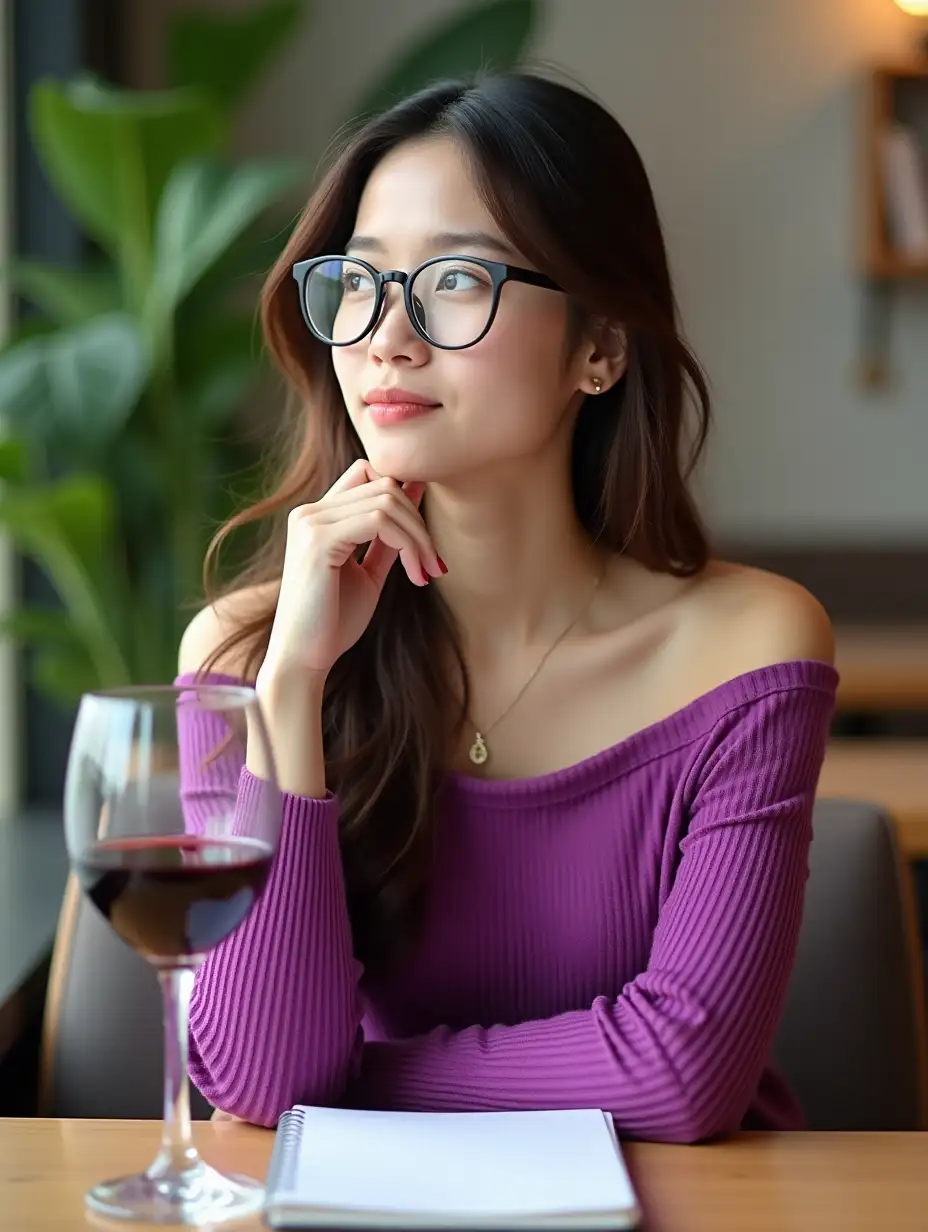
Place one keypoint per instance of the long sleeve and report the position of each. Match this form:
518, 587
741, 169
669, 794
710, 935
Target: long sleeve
678, 1055
275, 1012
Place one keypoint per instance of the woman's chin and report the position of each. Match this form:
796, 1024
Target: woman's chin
398, 465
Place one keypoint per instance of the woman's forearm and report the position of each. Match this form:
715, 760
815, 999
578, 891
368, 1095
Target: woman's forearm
291, 703
275, 1014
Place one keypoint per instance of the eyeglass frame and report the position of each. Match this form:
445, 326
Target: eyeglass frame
500, 272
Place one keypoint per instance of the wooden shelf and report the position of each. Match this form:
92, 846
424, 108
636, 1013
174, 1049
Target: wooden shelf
906, 70
877, 258
889, 265
896, 92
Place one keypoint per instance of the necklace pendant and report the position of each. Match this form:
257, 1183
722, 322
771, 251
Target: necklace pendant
479, 751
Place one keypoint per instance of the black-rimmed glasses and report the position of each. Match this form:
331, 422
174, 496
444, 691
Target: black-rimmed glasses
451, 301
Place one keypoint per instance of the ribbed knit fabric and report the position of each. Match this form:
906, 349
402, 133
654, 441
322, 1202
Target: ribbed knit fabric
618, 934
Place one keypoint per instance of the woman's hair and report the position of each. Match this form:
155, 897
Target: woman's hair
567, 187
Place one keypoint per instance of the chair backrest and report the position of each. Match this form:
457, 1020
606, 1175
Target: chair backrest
102, 1048
852, 1039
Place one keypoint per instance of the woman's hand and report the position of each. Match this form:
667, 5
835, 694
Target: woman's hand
327, 598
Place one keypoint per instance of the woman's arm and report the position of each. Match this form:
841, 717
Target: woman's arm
275, 1017
677, 1056
275, 1013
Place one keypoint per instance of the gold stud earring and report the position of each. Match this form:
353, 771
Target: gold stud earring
597, 385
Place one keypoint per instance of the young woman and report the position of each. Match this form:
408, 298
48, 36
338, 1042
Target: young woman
548, 767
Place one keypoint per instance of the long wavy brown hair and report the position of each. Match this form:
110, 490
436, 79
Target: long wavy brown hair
568, 188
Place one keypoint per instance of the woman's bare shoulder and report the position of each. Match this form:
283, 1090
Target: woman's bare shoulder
214, 624
746, 618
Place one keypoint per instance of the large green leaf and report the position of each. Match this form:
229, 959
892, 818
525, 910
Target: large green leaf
67, 295
76, 386
493, 36
219, 362
159, 618
38, 624
253, 255
232, 284
219, 395
109, 154
141, 486
75, 513
80, 510
14, 460
30, 325
65, 672
226, 55
204, 210
68, 527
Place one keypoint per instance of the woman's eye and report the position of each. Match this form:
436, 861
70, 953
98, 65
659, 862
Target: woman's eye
459, 280
353, 281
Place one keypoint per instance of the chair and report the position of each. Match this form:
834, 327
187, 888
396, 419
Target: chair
852, 1038
102, 1046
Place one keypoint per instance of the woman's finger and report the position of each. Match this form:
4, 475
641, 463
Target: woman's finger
380, 559
358, 473
395, 506
376, 524
345, 498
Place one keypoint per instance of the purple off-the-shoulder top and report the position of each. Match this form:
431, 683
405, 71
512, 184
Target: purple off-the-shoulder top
618, 934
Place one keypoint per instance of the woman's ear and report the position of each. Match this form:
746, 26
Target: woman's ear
606, 357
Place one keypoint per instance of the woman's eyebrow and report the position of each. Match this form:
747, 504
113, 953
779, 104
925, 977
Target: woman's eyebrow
462, 240
365, 241
448, 241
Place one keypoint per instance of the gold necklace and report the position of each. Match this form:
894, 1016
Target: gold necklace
479, 752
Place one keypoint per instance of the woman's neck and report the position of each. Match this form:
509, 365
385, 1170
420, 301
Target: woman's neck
520, 565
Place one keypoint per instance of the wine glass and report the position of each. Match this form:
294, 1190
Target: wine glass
174, 856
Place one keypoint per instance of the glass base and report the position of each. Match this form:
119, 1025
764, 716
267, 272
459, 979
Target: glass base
195, 1198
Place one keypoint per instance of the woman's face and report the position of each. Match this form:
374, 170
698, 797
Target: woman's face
499, 401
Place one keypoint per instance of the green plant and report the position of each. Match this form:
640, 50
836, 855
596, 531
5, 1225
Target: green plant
123, 396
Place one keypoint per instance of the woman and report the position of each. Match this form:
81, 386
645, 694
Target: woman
548, 804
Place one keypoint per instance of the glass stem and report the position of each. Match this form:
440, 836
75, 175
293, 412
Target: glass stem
177, 1154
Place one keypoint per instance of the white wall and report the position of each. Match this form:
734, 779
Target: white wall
747, 113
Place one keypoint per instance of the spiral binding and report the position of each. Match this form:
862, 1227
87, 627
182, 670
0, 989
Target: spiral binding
285, 1158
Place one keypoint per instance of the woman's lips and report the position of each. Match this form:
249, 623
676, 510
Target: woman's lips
398, 412
392, 406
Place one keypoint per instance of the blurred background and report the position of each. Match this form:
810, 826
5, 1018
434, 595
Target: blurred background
153, 154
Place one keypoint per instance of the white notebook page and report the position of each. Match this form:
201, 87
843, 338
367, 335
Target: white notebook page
460, 1164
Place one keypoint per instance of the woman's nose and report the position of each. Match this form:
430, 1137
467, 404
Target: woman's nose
394, 336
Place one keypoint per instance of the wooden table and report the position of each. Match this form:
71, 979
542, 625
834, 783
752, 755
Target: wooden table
893, 773
882, 668
755, 1183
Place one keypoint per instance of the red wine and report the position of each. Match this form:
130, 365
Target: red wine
174, 896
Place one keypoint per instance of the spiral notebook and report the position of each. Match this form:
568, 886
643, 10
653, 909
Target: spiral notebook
341, 1168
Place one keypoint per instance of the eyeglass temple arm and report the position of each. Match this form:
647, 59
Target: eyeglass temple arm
532, 277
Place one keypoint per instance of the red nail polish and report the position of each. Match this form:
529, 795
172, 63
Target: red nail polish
441, 564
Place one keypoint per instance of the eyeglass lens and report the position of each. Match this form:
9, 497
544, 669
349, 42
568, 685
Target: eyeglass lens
452, 300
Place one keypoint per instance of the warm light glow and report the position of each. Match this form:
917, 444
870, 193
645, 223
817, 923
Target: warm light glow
918, 8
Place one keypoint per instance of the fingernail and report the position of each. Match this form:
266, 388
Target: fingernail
441, 563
